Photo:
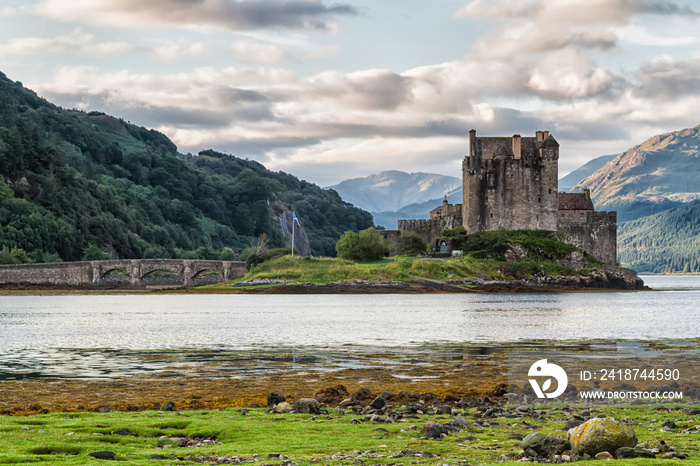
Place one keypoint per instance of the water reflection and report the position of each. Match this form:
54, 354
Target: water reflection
66, 336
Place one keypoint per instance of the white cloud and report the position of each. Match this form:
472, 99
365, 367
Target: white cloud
566, 73
255, 52
170, 51
324, 52
638, 35
7, 12
77, 42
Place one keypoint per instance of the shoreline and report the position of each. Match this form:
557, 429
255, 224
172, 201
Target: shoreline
419, 285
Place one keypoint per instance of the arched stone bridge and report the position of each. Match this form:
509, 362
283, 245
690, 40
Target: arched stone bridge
94, 272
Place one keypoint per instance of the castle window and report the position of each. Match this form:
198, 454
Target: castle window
537, 177
550, 190
539, 199
491, 215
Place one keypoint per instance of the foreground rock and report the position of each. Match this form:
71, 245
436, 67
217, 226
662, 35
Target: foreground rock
598, 435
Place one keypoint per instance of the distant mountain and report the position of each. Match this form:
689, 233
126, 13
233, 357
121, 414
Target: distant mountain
568, 182
666, 242
419, 210
660, 174
392, 190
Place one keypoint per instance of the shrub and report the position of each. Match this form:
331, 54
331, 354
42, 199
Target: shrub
367, 245
7, 258
409, 243
21, 255
93, 253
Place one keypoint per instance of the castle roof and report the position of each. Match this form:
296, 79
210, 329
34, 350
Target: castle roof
575, 201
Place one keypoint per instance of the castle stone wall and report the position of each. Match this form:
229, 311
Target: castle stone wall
428, 230
510, 183
594, 232
391, 237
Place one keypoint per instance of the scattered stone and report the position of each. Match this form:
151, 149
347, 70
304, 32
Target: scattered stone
307, 406
105, 409
103, 455
433, 430
121, 432
155, 457
459, 423
572, 424
628, 452
598, 435
169, 406
669, 424
603, 455
345, 403
363, 394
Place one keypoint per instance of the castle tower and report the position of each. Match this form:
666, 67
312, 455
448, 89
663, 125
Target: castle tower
510, 183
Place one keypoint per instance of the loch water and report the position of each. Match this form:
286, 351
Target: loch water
98, 336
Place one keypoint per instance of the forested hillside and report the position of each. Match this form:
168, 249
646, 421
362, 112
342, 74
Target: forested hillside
665, 242
72, 179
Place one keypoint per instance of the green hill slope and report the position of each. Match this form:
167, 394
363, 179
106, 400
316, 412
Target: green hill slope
666, 242
71, 179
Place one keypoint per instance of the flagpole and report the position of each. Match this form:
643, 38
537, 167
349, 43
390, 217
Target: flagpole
293, 235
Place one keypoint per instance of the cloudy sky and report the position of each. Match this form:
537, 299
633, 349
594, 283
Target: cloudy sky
330, 90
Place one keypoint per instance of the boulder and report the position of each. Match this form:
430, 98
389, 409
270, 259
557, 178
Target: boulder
169, 406
307, 406
433, 430
283, 408
598, 435
103, 455
378, 403
535, 441
275, 399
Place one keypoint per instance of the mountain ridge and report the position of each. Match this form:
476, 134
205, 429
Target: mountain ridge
393, 189
661, 173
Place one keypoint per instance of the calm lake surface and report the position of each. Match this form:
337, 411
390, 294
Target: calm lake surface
94, 336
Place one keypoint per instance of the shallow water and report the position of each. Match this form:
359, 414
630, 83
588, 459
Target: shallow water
115, 335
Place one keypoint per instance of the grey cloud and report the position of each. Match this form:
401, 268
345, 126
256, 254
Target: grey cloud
383, 91
669, 78
666, 7
229, 14
375, 90
258, 147
588, 130
154, 116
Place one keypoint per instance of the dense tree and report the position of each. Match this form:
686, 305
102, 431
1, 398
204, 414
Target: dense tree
72, 179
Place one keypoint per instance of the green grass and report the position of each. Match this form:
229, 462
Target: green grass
327, 270
305, 439
484, 257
